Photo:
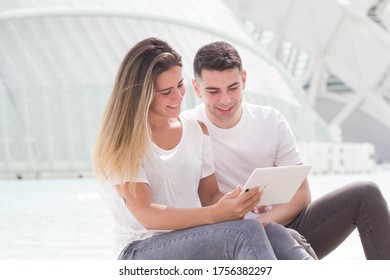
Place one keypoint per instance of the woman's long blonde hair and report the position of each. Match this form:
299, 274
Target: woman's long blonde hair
124, 135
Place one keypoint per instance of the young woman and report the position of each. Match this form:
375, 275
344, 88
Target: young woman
165, 199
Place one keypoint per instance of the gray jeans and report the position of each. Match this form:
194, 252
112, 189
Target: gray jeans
329, 220
233, 240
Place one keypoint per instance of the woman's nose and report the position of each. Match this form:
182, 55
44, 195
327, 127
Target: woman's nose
179, 93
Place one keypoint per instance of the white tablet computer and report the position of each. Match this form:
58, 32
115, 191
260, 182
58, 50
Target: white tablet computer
279, 183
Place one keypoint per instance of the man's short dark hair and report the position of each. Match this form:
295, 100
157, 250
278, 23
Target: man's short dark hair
216, 56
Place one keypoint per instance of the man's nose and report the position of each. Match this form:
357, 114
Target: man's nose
225, 98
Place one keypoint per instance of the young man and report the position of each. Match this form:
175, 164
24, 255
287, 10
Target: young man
245, 136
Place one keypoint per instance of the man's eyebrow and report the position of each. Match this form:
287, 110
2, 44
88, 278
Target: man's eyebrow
234, 84
212, 88
229, 86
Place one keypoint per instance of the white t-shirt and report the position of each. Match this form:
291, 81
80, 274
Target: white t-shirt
262, 138
173, 177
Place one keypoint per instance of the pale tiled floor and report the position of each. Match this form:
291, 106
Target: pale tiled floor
66, 219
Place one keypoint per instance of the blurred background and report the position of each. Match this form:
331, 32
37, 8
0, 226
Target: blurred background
324, 64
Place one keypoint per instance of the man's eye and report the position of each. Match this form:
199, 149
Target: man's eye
233, 88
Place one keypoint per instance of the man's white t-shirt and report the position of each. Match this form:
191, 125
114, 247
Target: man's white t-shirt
262, 138
173, 177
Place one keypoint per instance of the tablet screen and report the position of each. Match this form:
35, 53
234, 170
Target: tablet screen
279, 183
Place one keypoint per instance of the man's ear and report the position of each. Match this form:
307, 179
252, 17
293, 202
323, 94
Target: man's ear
196, 88
243, 79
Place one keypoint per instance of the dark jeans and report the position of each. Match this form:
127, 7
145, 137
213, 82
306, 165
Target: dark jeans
329, 220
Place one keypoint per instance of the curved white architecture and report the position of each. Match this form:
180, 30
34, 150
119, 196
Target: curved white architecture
340, 39
58, 60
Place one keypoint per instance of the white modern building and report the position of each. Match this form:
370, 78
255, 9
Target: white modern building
339, 51
58, 60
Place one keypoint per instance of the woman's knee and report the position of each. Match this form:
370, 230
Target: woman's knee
250, 230
246, 227
249, 240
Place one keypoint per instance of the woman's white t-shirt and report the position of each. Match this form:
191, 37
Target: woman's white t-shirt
173, 177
